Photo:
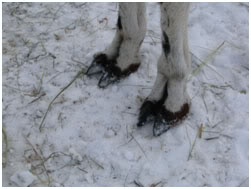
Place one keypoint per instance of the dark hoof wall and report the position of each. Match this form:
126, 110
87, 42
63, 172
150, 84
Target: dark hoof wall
160, 126
104, 70
166, 119
146, 113
107, 79
97, 65
94, 69
150, 109
107, 69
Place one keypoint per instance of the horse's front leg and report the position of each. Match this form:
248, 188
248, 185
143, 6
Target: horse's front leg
121, 58
168, 101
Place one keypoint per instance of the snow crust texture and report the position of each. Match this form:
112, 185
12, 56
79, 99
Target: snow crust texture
89, 136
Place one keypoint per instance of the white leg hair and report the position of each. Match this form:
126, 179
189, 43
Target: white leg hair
134, 28
174, 63
131, 29
112, 50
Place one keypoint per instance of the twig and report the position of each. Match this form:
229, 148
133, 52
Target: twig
77, 61
13, 88
36, 99
217, 123
83, 71
129, 113
203, 99
137, 183
139, 145
127, 175
243, 182
212, 138
53, 77
36, 91
54, 154
126, 142
155, 184
227, 136
55, 14
96, 163
131, 85
82, 170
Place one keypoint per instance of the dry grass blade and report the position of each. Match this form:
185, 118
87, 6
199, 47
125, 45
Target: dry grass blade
208, 59
36, 99
190, 153
137, 183
82, 170
127, 176
5, 153
243, 182
83, 71
126, 142
96, 163
200, 131
203, 99
139, 146
155, 184
211, 138
42, 159
213, 69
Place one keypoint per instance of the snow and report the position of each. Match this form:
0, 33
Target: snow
22, 178
89, 137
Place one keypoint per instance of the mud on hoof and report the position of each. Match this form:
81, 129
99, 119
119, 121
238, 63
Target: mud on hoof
108, 71
166, 119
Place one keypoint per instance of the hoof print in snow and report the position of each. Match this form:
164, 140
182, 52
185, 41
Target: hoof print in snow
166, 119
108, 70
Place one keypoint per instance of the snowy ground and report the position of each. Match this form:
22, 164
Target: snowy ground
89, 137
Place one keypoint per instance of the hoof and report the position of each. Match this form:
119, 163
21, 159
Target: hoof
160, 126
147, 112
94, 69
166, 119
110, 73
98, 65
150, 109
107, 79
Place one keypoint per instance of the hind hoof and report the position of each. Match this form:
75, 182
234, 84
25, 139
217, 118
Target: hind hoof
166, 119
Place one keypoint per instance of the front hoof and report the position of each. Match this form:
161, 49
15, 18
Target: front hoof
97, 65
147, 112
107, 79
109, 70
112, 73
160, 126
166, 119
94, 69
